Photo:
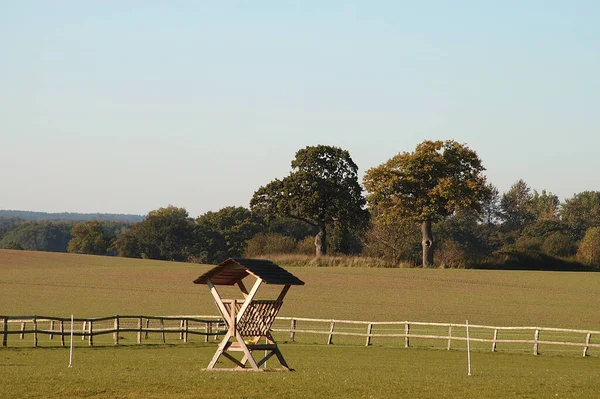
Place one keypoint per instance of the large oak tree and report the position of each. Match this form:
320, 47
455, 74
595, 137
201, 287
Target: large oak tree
322, 189
436, 180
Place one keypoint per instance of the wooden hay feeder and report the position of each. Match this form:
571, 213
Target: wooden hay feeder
248, 320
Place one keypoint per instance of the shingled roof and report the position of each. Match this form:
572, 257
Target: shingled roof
233, 270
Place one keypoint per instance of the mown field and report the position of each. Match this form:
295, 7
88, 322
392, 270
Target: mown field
87, 286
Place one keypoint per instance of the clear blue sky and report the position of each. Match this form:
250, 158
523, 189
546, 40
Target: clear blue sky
124, 106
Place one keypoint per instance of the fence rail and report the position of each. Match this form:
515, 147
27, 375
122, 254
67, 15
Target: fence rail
213, 326
405, 329
208, 326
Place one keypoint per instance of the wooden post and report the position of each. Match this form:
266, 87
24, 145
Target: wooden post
181, 327
588, 337
292, 330
83, 330
232, 324
369, 331
5, 333
406, 333
147, 326
51, 329
207, 329
116, 333
91, 331
186, 328
139, 334
22, 335
449, 337
35, 337
494, 340
536, 337
331, 327
62, 332
162, 328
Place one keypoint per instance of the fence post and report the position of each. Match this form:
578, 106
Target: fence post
330, 339
147, 326
139, 334
369, 331
588, 337
536, 337
5, 333
162, 327
449, 336
186, 327
35, 337
207, 329
406, 333
494, 340
181, 327
91, 331
62, 332
22, 335
292, 330
83, 330
116, 333
52, 329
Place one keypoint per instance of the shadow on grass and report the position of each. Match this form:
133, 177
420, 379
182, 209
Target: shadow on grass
517, 260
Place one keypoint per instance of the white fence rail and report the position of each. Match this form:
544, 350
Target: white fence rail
212, 326
492, 335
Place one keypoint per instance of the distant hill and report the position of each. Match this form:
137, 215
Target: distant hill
30, 215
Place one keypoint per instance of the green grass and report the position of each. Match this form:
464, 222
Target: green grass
322, 372
61, 284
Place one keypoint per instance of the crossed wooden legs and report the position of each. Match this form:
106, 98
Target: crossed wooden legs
261, 329
247, 348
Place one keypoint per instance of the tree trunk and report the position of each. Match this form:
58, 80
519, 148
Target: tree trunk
321, 241
427, 243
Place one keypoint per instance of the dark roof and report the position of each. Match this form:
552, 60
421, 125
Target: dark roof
233, 270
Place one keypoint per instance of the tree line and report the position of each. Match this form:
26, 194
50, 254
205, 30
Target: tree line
433, 200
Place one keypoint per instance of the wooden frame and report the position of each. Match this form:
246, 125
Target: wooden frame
248, 321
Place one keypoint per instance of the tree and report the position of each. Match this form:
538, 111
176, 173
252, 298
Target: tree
581, 212
321, 189
491, 211
88, 238
545, 205
52, 236
517, 207
165, 234
236, 224
395, 240
436, 180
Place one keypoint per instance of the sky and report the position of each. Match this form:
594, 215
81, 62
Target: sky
129, 106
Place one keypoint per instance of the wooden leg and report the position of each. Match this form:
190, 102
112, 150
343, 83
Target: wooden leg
247, 353
219, 351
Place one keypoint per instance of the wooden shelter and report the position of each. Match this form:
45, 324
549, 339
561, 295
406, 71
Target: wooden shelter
248, 320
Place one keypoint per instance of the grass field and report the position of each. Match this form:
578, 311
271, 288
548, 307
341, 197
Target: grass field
62, 284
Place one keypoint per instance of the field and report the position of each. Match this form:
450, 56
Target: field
87, 286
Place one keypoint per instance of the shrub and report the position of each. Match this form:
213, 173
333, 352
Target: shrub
529, 244
14, 245
271, 243
306, 246
451, 254
589, 248
559, 244
330, 261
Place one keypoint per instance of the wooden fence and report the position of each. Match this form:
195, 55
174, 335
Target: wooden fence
492, 335
212, 327
89, 328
